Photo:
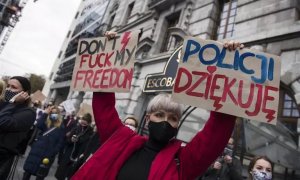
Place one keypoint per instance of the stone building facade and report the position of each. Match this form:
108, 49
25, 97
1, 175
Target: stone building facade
270, 26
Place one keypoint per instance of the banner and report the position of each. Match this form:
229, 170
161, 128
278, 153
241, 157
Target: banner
243, 83
105, 65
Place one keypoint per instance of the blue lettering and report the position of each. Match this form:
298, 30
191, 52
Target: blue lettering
271, 69
264, 72
221, 58
241, 63
212, 61
188, 51
236, 60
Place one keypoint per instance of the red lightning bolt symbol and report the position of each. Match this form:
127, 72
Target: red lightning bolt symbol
125, 40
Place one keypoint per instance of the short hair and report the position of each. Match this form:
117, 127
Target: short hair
164, 101
255, 159
87, 117
134, 119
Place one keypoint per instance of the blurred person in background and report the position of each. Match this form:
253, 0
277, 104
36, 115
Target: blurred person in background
46, 145
131, 123
77, 140
226, 167
260, 168
16, 119
92, 145
2, 88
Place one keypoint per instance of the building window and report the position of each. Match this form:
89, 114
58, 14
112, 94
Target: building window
129, 11
171, 42
227, 19
290, 108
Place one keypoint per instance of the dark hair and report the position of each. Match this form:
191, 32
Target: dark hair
134, 119
25, 83
255, 159
87, 117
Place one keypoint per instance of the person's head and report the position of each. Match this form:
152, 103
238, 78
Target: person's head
260, 168
37, 104
163, 115
16, 85
54, 117
2, 88
131, 122
85, 120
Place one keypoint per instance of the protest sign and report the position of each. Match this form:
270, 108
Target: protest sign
243, 83
105, 65
69, 106
38, 96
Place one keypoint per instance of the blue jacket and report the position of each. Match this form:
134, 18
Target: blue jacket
46, 146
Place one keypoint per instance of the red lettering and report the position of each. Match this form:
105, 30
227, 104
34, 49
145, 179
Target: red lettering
88, 76
258, 101
107, 62
96, 78
191, 91
240, 95
77, 78
113, 76
83, 59
98, 59
213, 87
227, 91
180, 72
104, 78
270, 113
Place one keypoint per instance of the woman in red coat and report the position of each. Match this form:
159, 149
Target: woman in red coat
127, 155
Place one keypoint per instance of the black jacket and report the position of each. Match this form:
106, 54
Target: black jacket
15, 122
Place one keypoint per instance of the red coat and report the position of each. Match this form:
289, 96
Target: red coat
119, 142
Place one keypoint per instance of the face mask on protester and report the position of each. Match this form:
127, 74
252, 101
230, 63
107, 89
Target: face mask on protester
161, 132
53, 117
261, 175
130, 127
9, 95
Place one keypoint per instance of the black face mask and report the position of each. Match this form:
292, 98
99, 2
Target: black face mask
9, 95
161, 132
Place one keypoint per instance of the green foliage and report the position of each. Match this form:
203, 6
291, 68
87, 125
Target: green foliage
37, 81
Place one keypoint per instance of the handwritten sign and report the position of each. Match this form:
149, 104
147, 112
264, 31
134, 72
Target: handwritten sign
38, 95
69, 106
105, 65
244, 83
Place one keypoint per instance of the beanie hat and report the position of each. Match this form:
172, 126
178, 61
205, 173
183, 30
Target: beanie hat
24, 82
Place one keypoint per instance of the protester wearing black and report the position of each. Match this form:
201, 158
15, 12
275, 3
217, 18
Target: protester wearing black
47, 145
16, 119
91, 147
69, 123
76, 143
226, 167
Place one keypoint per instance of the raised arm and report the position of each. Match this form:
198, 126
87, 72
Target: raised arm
106, 117
207, 145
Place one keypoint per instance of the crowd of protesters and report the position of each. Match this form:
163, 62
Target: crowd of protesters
124, 154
